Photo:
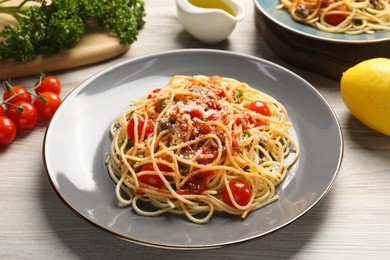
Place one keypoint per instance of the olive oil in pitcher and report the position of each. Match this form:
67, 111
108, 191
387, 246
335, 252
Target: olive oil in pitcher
217, 4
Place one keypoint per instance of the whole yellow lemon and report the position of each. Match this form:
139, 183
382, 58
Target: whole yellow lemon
365, 89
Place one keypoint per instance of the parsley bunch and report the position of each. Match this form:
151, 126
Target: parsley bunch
49, 28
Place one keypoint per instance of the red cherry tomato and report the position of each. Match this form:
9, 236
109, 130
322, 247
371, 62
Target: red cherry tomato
48, 84
334, 19
24, 115
202, 127
212, 117
7, 130
2, 111
260, 107
21, 94
241, 191
47, 103
141, 122
161, 167
194, 112
150, 179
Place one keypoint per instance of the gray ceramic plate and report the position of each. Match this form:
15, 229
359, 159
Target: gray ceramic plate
284, 19
77, 141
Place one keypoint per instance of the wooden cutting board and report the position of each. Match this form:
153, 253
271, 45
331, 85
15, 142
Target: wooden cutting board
96, 45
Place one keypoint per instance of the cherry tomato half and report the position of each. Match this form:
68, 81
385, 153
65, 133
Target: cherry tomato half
161, 167
334, 19
141, 122
48, 84
47, 103
260, 107
195, 112
241, 191
7, 130
24, 115
150, 179
21, 94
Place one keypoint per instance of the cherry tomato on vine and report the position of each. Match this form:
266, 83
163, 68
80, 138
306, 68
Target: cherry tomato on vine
241, 191
150, 179
2, 111
47, 104
48, 84
24, 115
21, 94
141, 122
260, 107
7, 130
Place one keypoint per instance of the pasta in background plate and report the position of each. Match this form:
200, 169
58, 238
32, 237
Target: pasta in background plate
199, 145
341, 16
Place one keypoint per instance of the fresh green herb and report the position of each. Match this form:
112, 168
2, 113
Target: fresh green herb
121, 142
161, 104
49, 28
247, 168
238, 95
245, 135
358, 22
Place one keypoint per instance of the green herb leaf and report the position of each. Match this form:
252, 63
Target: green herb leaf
237, 95
58, 26
161, 104
358, 21
247, 168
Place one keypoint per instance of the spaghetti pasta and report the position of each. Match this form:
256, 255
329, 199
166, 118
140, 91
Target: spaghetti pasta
341, 16
199, 145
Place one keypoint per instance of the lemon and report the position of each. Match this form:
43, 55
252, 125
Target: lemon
365, 89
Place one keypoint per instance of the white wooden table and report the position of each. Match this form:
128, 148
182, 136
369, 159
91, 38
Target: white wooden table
351, 222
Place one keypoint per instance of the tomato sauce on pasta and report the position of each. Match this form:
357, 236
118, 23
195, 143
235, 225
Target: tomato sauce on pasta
199, 145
